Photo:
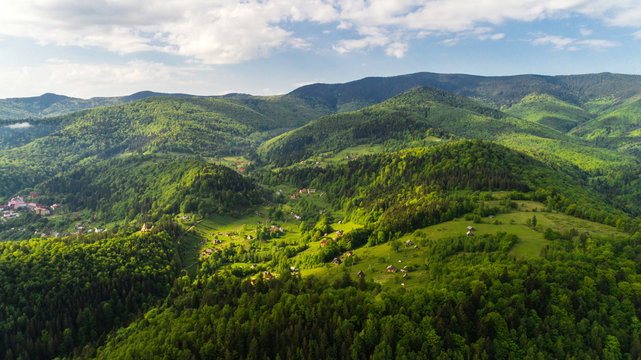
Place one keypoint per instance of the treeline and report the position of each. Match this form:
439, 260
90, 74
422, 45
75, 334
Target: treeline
67, 293
146, 187
580, 300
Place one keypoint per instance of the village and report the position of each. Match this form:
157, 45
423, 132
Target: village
18, 203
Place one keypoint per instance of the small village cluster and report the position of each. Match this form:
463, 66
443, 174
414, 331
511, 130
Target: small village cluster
17, 203
232, 236
302, 191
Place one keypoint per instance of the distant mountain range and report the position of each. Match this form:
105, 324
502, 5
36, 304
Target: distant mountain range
48, 104
493, 91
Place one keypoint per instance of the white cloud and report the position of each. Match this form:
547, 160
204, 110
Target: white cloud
22, 125
233, 31
585, 31
597, 44
558, 42
396, 49
566, 43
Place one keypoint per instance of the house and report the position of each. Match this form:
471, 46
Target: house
55, 206
32, 206
144, 228
323, 242
361, 274
294, 196
5, 207
19, 205
267, 275
209, 251
348, 253
42, 211
470, 228
15, 200
253, 266
10, 214
391, 269
405, 276
336, 261
409, 243
404, 270
469, 233
339, 233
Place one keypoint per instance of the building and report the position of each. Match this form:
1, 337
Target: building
42, 211
391, 269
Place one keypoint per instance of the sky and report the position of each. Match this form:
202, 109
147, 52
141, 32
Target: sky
94, 48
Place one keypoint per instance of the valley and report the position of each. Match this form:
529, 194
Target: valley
417, 216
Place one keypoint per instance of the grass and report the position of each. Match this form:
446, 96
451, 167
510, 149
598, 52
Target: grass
373, 260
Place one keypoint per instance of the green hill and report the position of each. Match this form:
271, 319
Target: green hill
424, 216
619, 121
403, 191
146, 187
547, 110
413, 118
191, 126
495, 91
48, 105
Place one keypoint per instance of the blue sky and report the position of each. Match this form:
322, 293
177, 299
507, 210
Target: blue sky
117, 47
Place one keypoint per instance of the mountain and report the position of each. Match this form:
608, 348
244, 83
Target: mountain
413, 217
209, 127
415, 117
495, 91
548, 110
48, 104
150, 186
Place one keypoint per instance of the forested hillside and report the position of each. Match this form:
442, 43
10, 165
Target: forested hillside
414, 118
413, 217
494, 91
191, 126
60, 294
147, 187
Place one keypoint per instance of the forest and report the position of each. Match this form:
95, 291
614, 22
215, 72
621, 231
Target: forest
425, 216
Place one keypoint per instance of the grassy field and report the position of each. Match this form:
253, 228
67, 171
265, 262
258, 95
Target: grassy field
374, 260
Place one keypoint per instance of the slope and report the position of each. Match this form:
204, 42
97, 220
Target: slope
191, 126
548, 110
411, 118
137, 187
